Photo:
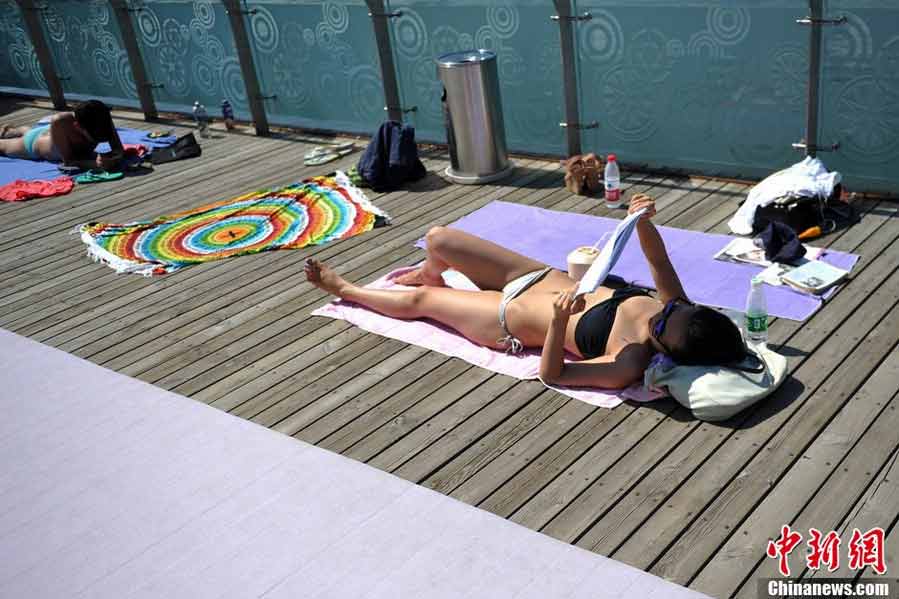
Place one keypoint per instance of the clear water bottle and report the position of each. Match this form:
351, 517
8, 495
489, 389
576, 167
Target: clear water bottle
757, 313
228, 115
612, 183
201, 117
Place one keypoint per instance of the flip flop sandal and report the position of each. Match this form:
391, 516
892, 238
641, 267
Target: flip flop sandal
97, 176
316, 160
159, 133
341, 149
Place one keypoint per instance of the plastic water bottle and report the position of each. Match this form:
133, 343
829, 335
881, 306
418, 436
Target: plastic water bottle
757, 313
201, 117
228, 115
612, 183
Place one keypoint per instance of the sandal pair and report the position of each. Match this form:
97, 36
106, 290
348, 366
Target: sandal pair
323, 154
583, 174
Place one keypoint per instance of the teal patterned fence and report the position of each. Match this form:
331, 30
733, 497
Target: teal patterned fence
707, 87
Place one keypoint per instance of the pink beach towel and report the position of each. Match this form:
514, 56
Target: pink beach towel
437, 337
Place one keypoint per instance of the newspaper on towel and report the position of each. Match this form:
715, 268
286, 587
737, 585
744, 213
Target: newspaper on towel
609, 254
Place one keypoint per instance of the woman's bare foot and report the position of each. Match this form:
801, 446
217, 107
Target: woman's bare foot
324, 277
417, 277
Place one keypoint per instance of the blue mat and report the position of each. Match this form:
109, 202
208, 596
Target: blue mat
34, 170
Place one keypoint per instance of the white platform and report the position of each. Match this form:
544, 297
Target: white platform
110, 487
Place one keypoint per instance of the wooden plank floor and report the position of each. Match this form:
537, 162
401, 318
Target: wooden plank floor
648, 485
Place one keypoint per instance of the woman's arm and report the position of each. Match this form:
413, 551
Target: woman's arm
62, 131
663, 274
552, 360
606, 372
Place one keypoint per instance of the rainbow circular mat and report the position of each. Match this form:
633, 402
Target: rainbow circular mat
312, 212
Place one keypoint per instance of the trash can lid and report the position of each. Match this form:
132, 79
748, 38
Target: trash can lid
467, 57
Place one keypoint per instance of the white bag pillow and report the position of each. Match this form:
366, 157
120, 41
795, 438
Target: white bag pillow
718, 392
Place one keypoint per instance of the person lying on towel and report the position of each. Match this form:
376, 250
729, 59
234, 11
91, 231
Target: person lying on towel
69, 137
524, 304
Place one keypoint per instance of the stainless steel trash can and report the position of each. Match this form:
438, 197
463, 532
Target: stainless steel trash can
474, 117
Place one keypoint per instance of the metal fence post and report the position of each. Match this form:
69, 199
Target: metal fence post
377, 13
135, 57
569, 75
815, 21
255, 98
33, 22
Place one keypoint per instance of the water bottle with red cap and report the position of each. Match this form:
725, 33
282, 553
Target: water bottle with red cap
612, 183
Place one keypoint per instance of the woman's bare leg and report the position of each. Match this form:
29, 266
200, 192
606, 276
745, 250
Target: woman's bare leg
472, 313
487, 264
10, 132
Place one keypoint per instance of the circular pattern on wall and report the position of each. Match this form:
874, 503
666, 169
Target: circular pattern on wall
124, 76
204, 12
198, 33
630, 115
36, 72
324, 36
366, 94
309, 37
99, 12
728, 26
849, 43
602, 40
205, 75
264, 30
485, 38
104, 66
704, 45
649, 53
444, 39
215, 51
18, 57
149, 27
232, 82
787, 73
867, 123
503, 20
337, 16
411, 35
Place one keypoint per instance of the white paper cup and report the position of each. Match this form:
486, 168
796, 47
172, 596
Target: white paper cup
580, 260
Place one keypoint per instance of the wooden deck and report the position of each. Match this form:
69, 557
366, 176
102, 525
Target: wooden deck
647, 485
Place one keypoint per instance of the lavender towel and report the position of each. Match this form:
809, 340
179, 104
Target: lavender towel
549, 235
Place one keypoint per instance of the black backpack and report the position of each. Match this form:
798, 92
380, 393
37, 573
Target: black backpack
391, 158
185, 146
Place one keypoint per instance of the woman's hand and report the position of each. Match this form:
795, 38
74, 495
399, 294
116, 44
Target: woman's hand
641, 201
567, 304
107, 162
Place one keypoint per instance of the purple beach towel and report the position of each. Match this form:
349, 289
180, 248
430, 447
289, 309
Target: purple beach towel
549, 235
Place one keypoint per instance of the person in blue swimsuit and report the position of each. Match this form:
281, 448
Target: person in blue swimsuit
69, 138
525, 304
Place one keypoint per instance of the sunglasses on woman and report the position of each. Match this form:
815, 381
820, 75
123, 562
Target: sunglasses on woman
659, 328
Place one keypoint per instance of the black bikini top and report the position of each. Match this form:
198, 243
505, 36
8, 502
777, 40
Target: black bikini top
593, 329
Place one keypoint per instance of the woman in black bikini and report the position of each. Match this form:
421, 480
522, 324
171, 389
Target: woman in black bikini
523, 303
